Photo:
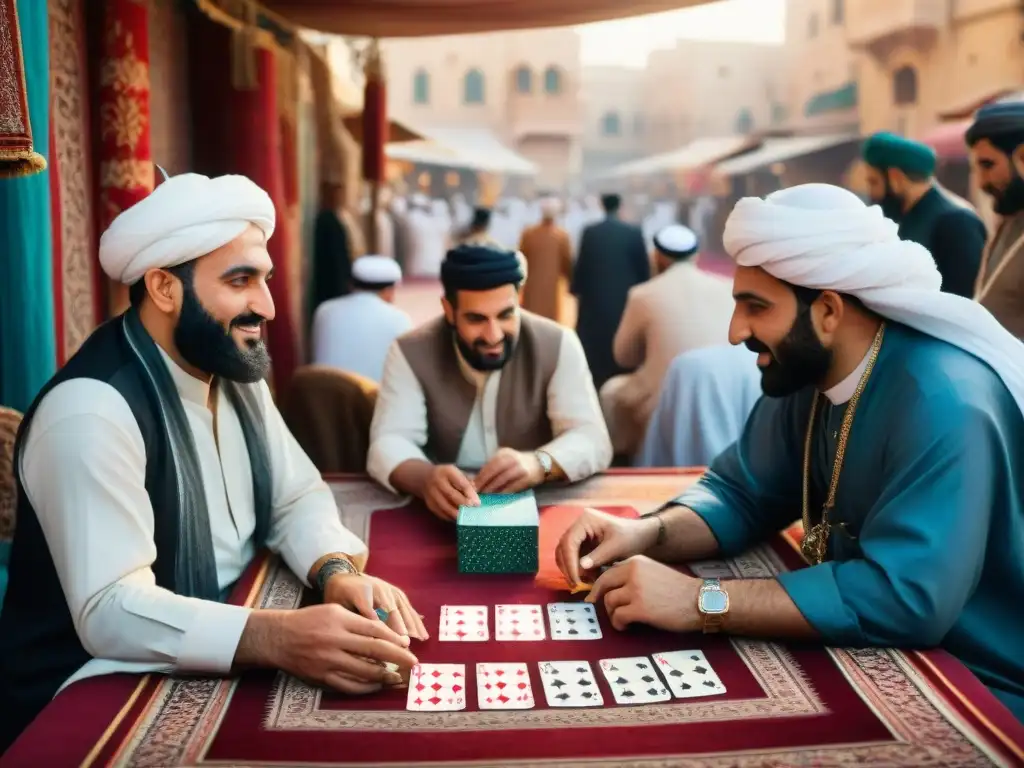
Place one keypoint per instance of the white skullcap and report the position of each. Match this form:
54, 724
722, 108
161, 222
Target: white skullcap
376, 270
550, 206
676, 241
186, 217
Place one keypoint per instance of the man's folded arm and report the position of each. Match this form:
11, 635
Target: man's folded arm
753, 488
305, 523
581, 445
398, 431
923, 544
84, 474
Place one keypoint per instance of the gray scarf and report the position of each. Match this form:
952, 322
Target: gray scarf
195, 567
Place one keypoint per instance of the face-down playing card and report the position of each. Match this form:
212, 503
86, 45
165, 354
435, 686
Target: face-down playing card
570, 684
688, 674
437, 688
503, 686
573, 621
634, 680
464, 623
518, 622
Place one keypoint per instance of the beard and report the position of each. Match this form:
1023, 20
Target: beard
479, 360
1008, 201
891, 204
207, 345
800, 359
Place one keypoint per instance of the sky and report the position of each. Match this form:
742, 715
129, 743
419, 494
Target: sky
626, 42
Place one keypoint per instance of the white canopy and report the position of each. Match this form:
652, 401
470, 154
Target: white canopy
777, 150
472, 148
697, 153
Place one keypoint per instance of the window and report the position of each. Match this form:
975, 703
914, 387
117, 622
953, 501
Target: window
552, 80
812, 25
744, 122
611, 124
421, 87
473, 87
524, 79
838, 11
904, 86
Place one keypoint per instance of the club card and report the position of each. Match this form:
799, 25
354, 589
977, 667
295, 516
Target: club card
464, 623
518, 622
503, 686
570, 684
573, 621
437, 688
689, 675
634, 680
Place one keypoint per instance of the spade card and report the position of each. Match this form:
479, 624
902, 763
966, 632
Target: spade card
518, 622
570, 684
437, 688
464, 623
689, 675
573, 621
634, 680
503, 686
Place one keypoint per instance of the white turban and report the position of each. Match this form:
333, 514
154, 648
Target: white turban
823, 237
550, 207
186, 217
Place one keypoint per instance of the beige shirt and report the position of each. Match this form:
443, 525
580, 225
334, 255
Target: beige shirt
681, 309
84, 471
581, 445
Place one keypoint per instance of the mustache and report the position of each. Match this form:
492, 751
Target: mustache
756, 346
248, 320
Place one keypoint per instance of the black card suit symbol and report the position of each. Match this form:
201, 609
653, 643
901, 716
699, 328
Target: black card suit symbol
584, 681
571, 621
676, 673
593, 631
581, 670
701, 670
557, 683
627, 694
653, 691
647, 679
695, 658
612, 668
573, 632
562, 696
587, 694
641, 665
592, 621
620, 680
685, 686
710, 683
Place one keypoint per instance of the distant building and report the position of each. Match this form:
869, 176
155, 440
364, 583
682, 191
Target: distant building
615, 117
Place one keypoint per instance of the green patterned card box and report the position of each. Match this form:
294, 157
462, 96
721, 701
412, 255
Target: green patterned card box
499, 536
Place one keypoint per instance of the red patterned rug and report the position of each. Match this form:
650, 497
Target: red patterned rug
785, 704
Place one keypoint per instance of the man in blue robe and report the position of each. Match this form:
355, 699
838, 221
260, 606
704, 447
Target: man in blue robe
909, 398
901, 180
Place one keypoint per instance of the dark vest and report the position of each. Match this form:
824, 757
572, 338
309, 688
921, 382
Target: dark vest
39, 647
522, 419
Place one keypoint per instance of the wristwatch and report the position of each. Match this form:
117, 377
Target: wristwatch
333, 567
545, 461
713, 605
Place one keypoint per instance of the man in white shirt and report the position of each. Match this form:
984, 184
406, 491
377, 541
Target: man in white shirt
154, 465
680, 309
487, 388
427, 238
353, 333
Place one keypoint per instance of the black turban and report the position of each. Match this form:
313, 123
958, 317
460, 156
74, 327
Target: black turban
1002, 123
480, 268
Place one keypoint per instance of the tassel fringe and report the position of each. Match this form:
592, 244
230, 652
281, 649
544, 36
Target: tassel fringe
27, 165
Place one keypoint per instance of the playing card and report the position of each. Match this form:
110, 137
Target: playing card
570, 684
573, 621
503, 686
634, 680
689, 675
518, 622
464, 623
437, 688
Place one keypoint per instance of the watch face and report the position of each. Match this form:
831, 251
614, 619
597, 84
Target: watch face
713, 601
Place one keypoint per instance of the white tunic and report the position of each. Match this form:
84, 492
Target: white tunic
354, 332
84, 468
581, 446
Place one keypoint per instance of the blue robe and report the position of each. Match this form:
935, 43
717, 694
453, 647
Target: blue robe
932, 554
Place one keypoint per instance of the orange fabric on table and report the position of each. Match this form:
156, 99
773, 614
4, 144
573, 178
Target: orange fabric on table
554, 521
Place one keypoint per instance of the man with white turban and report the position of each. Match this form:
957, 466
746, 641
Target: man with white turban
154, 465
548, 253
892, 418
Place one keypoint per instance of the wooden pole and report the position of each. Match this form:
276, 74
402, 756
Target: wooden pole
375, 136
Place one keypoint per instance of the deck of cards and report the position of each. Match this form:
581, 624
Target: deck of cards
633, 680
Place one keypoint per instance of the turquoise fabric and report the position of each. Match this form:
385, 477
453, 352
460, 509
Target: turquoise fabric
931, 500
832, 101
27, 329
5, 557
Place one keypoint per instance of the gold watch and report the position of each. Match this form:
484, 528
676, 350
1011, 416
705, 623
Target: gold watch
713, 605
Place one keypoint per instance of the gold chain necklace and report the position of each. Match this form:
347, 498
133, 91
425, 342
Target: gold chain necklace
815, 542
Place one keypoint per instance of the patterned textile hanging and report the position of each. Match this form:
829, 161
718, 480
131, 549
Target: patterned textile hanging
17, 156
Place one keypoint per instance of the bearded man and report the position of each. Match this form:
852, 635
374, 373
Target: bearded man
995, 136
487, 388
901, 180
154, 465
892, 419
